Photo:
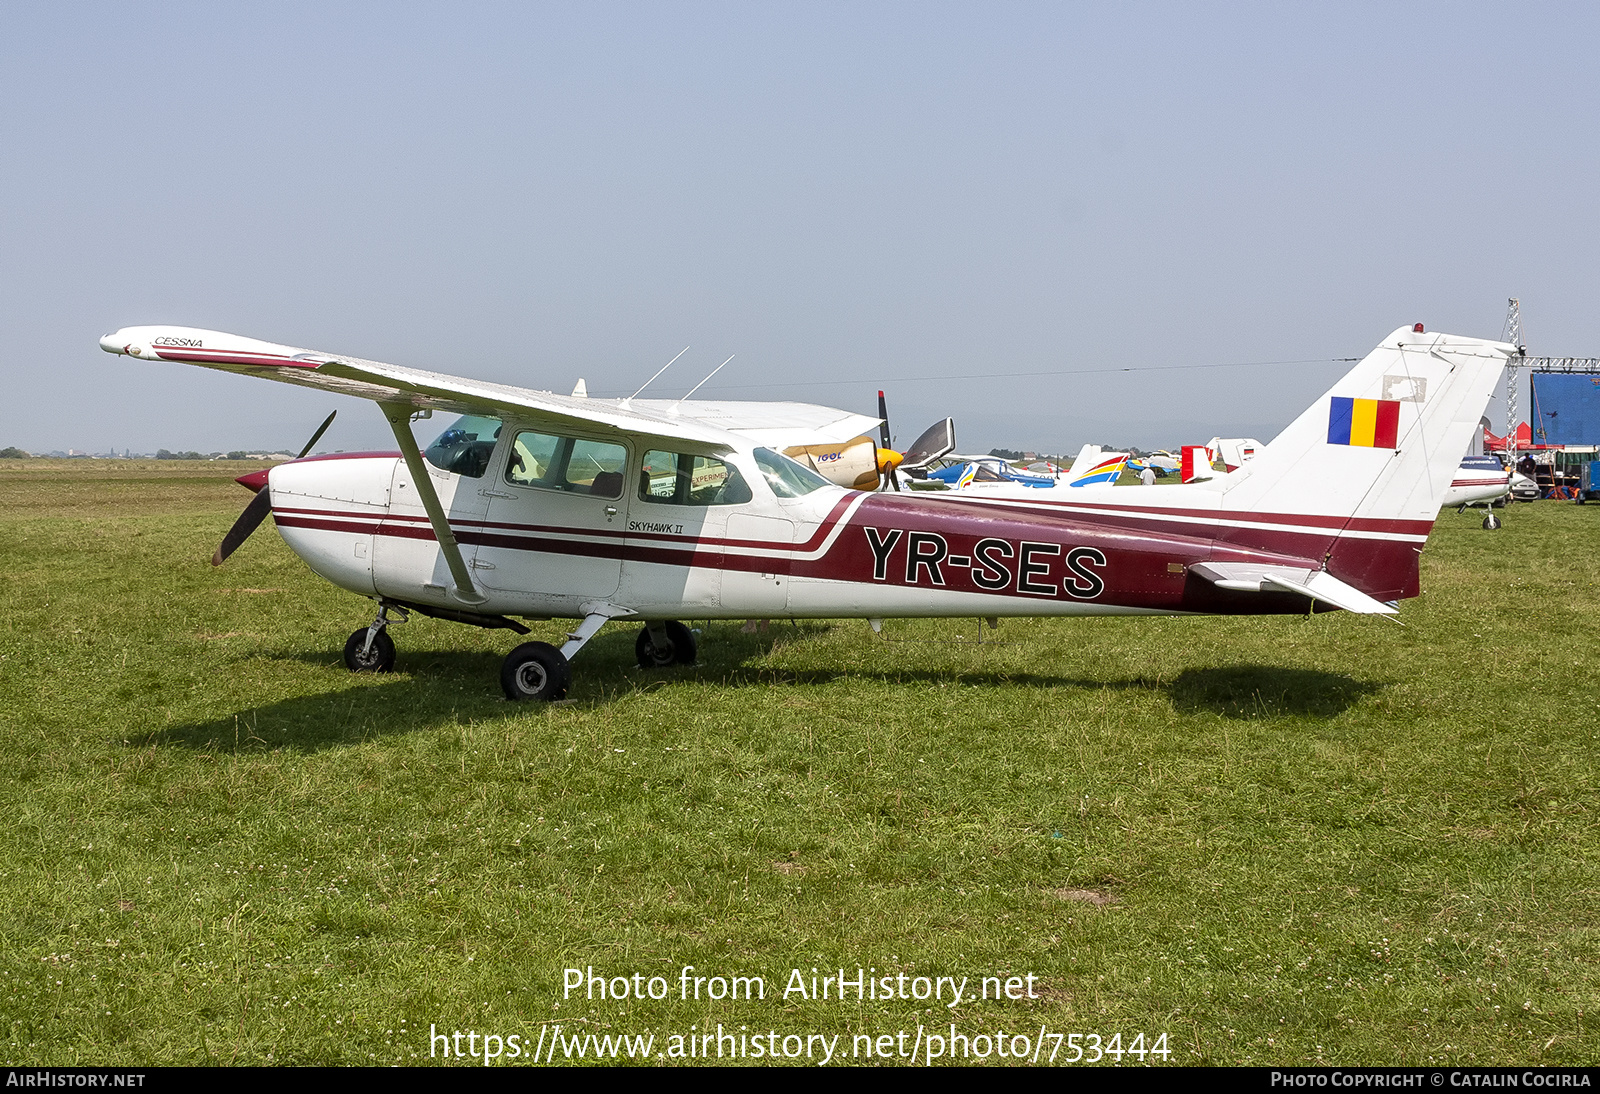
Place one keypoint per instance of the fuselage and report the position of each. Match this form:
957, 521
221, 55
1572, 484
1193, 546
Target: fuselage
1479, 480
774, 549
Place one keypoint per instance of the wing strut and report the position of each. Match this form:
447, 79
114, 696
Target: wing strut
400, 421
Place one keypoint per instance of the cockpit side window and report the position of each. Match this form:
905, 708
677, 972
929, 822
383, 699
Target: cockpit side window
570, 464
464, 449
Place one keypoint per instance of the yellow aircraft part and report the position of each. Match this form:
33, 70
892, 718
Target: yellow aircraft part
857, 464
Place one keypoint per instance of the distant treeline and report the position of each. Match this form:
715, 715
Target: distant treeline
12, 453
163, 454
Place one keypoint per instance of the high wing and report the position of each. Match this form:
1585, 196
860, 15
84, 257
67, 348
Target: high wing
415, 389
771, 425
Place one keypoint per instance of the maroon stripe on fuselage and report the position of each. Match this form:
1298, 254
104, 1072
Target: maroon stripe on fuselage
1128, 560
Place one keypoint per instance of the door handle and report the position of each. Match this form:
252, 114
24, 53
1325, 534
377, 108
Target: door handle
611, 510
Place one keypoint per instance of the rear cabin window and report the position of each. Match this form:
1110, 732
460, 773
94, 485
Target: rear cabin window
465, 448
571, 464
678, 478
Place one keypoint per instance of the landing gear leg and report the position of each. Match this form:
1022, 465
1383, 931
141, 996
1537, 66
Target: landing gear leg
370, 649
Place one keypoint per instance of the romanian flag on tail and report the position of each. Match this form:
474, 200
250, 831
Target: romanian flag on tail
1365, 423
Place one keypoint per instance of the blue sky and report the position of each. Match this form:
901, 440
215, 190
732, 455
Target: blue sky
933, 198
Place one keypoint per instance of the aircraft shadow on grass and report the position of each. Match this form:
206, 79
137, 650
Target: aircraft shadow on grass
439, 686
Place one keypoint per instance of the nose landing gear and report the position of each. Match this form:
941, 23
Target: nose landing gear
370, 649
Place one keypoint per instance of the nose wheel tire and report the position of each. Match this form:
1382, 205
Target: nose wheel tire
680, 651
535, 670
359, 657
1491, 522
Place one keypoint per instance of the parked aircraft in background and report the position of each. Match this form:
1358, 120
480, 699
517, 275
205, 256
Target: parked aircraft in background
862, 464
1479, 481
1234, 452
961, 472
536, 506
1196, 464
1095, 466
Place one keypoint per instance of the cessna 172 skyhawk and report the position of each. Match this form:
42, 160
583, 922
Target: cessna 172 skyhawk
541, 506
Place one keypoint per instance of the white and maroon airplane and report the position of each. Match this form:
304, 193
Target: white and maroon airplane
539, 506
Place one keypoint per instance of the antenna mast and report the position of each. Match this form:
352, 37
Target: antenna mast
710, 374
652, 379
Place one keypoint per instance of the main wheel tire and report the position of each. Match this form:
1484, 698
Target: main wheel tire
379, 657
1491, 522
682, 651
535, 670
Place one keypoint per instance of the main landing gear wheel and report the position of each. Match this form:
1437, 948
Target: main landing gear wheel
679, 650
1491, 522
535, 670
360, 657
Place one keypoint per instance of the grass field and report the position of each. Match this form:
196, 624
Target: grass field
1282, 840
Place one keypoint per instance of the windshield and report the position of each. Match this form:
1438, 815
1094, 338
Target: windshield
465, 448
787, 478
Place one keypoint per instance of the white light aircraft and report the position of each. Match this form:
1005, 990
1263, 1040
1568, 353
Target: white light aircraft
1479, 481
538, 506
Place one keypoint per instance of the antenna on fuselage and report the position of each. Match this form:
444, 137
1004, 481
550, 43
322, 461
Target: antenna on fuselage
652, 379
710, 374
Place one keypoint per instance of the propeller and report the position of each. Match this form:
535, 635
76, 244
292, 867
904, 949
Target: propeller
888, 458
260, 505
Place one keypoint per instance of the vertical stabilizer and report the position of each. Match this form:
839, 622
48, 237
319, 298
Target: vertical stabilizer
1370, 461
1196, 464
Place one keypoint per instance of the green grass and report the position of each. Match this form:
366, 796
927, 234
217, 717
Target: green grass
1279, 840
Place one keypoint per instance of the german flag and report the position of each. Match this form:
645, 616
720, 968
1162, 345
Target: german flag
1364, 423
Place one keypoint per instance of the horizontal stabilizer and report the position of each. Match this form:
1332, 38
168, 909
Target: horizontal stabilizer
1314, 584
